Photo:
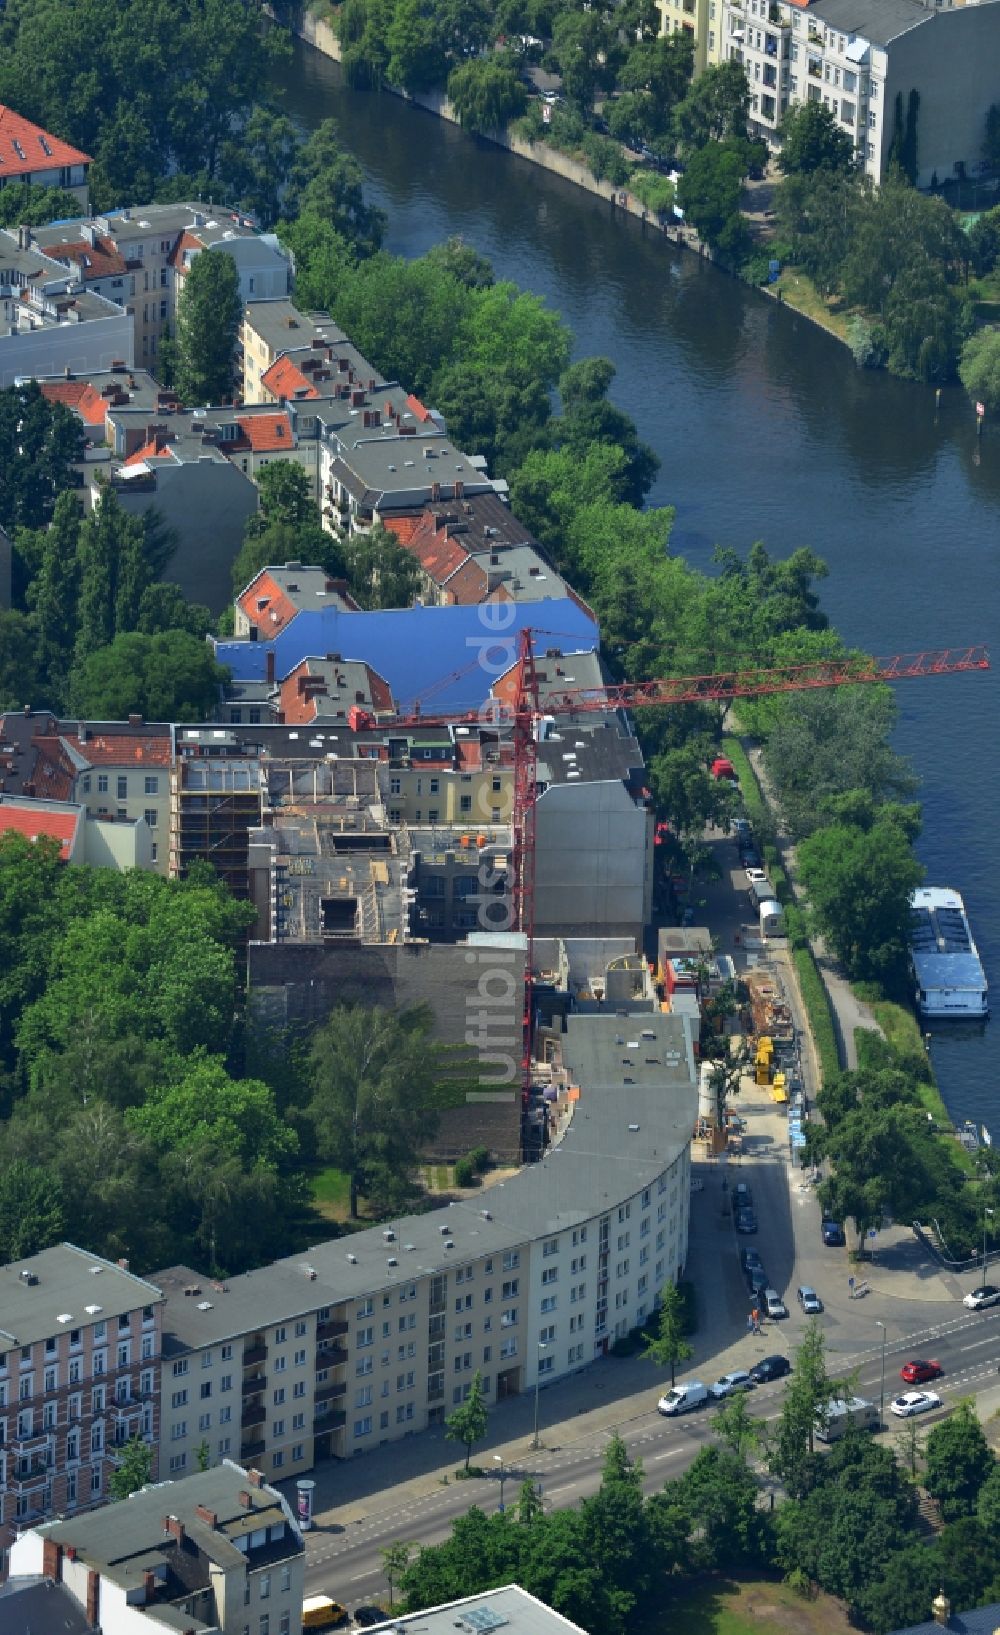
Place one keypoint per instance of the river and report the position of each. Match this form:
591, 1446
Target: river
766, 430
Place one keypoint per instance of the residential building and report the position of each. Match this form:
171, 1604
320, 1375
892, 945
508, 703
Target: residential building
863, 59
475, 551
698, 18
32, 1603
101, 842
509, 1607
365, 1340
277, 329
397, 464
214, 804
276, 594
93, 395
117, 771
35, 157
79, 1375
219, 1551
49, 321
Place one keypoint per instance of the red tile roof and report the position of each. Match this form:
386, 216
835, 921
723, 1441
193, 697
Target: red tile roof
468, 585
79, 395
285, 380
267, 433
98, 260
34, 822
187, 241
438, 555
155, 449
416, 407
52, 773
298, 702
25, 148
124, 748
266, 605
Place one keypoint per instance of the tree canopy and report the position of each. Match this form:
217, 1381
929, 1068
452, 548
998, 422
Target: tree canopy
209, 311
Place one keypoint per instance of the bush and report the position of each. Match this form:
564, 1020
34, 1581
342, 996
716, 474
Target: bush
758, 269
465, 1173
480, 1158
865, 342
817, 1005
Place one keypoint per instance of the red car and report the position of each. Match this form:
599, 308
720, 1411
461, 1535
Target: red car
918, 1373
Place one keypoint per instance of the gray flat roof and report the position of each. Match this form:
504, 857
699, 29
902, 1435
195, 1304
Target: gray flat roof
379, 464
599, 1160
509, 1606
69, 1280
38, 1606
876, 20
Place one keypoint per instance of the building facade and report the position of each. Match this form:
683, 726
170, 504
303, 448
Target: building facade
79, 1375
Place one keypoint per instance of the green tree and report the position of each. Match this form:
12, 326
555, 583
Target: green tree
709, 193
53, 595
804, 1405
979, 368
163, 606
24, 205
585, 49
133, 1468
670, 1346
859, 884
988, 1502
327, 183
715, 109
735, 1426
40, 442
32, 1213
208, 320
984, 241
417, 58
19, 675
721, 1496
469, 1421
373, 1075
380, 571
279, 543
812, 140
615, 1532
816, 214
959, 1461
203, 1454
285, 497
486, 95
171, 676
395, 1560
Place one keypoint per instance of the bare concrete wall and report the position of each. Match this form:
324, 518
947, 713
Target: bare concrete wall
953, 61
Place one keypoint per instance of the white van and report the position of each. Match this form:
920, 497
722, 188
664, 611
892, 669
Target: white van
772, 918
841, 1414
680, 1399
774, 1305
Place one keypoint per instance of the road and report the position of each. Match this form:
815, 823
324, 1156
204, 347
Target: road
348, 1564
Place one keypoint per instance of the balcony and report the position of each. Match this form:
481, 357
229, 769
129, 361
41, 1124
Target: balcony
254, 1414
332, 1329
253, 1384
29, 1481
331, 1357
24, 1444
330, 1392
330, 1422
254, 1354
251, 1448
437, 1306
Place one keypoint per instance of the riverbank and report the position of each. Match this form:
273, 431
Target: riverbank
317, 32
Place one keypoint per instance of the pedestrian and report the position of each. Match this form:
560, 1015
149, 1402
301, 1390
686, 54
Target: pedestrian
749, 1322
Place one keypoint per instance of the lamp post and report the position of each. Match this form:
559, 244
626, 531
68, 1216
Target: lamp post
881, 1391
541, 1347
985, 1213
498, 1460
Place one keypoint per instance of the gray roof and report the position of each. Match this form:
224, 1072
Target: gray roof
980, 1621
38, 1606
599, 1159
509, 1606
481, 522
399, 471
68, 1281
876, 20
124, 1540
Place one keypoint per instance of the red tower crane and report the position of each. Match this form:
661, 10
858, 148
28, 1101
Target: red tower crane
519, 719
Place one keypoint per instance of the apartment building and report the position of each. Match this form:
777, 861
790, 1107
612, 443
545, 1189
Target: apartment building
220, 1551
79, 1375
363, 1340
34, 157
49, 320
862, 59
694, 17
117, 771
278, 329
99, 842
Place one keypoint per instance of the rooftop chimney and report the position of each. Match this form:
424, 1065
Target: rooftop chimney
174, 1527
209, 1517
246, 1500
269, 664
255, 1478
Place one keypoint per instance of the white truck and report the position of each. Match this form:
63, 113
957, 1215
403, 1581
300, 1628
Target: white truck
842, 1413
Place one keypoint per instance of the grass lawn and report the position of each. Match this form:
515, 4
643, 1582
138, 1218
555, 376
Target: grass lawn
331, 1193
799, 291
758, 1606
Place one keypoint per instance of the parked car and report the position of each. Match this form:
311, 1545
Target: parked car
914, 1402
680, 1399
746, 1220
367, 1617
742, 1196
986, 1295
741, 829
750, 1259
737, 1380
918, 1373
757, 1280
774, 1305
833, 1234
809, 1300
770, 1368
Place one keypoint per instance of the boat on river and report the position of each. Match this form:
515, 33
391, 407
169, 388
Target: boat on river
950, 980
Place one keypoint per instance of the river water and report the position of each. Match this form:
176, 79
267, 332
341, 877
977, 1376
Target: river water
766, 430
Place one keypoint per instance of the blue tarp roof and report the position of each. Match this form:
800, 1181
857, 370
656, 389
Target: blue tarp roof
416, 648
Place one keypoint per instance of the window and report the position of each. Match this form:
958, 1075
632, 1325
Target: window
363, 1397
180, 1367
179, 1399
278, 1428
204, 1422
299, 1388
511, 1259
51, 1376
280, 1364
549, 1303
279, 1396
300, 1329
102, 783
179, 1431
122, 787
225, 1416
227, 1353
150, 816
300, 1359
545, 1335
549, 1248
151, 786
365, 1337
265, 1586
550, 1274
364, 1364
546, 1365
226, 1382
363, 1427
509, 1290
509, 1317
298, 1422
279, 1336
264, 1627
